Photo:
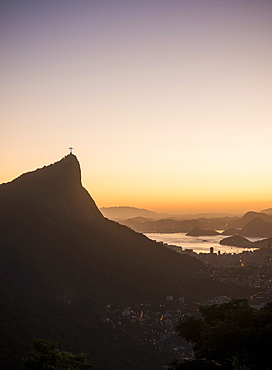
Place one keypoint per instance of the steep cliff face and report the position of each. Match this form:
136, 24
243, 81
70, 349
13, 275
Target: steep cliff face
57, 187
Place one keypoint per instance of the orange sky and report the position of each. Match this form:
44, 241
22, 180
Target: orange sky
168, 105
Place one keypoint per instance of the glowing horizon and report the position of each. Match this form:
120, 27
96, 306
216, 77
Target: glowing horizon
167, 105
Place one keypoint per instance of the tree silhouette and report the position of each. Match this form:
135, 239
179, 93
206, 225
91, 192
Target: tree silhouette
47, 356
229, 336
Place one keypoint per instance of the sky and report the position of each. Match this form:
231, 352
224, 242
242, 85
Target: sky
167, 103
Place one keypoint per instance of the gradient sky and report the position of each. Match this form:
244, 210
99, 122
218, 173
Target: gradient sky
167, 103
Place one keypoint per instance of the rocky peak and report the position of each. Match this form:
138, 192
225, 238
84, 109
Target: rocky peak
57, 187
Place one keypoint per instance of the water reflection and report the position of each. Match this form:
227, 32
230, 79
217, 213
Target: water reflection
199, 244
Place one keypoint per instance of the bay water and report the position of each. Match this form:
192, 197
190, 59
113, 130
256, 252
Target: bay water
199, 244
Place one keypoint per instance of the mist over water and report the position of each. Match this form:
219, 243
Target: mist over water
199, 244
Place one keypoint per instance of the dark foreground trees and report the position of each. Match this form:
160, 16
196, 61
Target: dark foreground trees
229, 336
47, 356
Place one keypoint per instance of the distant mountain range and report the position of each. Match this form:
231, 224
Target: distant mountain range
122, 213
145, 225
62, 263
252, 223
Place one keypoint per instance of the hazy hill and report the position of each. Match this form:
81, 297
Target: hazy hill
257, 227
62, 263
123, 213
268, 211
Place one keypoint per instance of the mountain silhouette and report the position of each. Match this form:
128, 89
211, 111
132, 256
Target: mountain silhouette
247, 217
56, 187
62, 262
54, 215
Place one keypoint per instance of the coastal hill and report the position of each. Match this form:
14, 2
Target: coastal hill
237, 241
62, 263
249, 216
257, 227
